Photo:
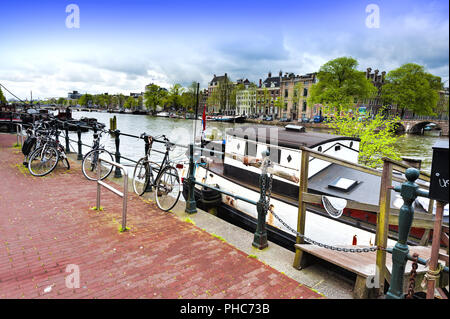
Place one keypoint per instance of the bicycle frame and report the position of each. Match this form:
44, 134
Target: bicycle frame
164, 163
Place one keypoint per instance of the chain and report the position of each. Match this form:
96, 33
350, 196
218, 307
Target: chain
267, 207
412, 277
311, 241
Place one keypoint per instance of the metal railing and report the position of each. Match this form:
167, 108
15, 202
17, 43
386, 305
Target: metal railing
19, 130
123, 194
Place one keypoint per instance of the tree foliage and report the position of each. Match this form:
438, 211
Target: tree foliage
2, 97
130, 103
378, 136
340, 83
86, 99
154, 96
410, 87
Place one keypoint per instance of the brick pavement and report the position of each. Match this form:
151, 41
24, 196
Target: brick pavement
46, 224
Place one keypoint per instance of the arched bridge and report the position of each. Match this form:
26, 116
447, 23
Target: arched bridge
416, 126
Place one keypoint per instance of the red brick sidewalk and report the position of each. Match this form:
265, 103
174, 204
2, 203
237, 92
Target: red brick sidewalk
46, 224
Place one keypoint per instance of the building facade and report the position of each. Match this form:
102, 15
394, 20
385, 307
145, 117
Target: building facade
220, 95
295, 90
245, 97
268, 95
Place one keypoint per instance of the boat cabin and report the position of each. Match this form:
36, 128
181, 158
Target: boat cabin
245, 144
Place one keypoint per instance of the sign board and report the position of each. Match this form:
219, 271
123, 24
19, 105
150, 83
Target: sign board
439, 184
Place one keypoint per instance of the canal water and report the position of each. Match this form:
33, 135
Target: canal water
181, 131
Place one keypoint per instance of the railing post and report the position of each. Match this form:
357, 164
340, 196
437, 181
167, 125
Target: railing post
260, 236
436, 244
409, 192
383, 225
80, 154
66, 129
301, 219
19, 132
191, 206
117, 172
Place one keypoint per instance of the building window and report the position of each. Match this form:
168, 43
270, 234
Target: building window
305, 92
286, 93
304, 106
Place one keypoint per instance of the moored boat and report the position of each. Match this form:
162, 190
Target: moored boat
238, 174
163, 114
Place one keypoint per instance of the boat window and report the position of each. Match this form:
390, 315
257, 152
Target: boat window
351, 144
319, 149
337, 147
343, 184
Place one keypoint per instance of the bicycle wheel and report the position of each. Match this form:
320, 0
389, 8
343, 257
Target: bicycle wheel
89, 166
142, 175
168, 188
43, 161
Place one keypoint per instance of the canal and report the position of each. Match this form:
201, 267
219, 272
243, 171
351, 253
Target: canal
181, 131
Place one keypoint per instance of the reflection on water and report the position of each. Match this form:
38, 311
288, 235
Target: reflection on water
181, 131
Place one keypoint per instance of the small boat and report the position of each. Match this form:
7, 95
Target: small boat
230, 118
224, 118
163, 114
175, 116
432, 130
140, 112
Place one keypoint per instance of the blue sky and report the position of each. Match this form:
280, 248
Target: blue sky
123, 45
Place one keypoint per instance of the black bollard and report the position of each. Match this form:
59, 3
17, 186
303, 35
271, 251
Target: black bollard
260, 236
191, 205
80, 154
117, 172
67, 137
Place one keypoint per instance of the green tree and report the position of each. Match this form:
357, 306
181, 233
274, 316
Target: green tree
340, 83
121, 99
130, 103
378, 136
411, 88
280, 104
189, 97
140, 102
85, 100
154, 96
61, 101
174, 99
2, 97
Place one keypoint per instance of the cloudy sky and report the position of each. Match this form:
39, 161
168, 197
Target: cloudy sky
120, 46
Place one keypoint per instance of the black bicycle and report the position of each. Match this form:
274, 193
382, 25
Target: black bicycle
90, 164
44, 159
166, 183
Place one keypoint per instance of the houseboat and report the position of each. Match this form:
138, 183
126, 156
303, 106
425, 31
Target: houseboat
235, 174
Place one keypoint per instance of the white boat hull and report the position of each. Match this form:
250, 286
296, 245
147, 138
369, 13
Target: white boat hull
329, 231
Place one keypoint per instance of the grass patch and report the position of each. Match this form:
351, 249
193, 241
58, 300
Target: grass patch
23, 169
218, 237
95, 208
121, 230
188, 220
252, 256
